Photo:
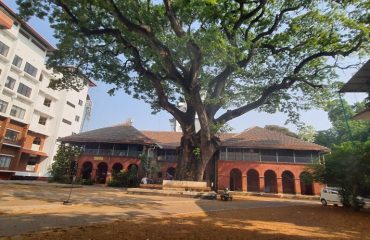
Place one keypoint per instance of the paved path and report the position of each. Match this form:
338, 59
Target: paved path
28, 208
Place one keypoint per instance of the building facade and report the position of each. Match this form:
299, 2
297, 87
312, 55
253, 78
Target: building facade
32, 116
256, 160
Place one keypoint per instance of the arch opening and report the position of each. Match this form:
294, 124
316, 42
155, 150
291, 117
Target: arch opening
306, 183
170, 173
101, 173
288, 182
86, 170
253, 181
235, 180
116, 168
270, 182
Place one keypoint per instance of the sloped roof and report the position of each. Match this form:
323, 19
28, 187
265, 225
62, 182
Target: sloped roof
258, 137
165, 139
255, 137
171, 139
360, 81
122, 133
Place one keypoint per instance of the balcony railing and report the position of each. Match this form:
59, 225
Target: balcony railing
268, 157
111, 152
17, 142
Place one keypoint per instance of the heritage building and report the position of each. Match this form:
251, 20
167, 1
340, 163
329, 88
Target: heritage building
256, 160
32, 116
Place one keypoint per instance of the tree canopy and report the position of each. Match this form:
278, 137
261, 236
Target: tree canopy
222, 58
339, 132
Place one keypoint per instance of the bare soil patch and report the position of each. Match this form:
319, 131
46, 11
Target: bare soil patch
288, 222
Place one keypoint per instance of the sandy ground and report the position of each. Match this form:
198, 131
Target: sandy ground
36, 212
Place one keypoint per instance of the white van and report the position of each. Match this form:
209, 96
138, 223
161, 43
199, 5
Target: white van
330, 195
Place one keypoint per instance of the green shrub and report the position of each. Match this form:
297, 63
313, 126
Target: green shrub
125, 179
86, 182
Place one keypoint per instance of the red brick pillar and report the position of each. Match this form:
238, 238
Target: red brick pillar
244, 183
262, 184
223, 182
280, 185
93, 174
297, 186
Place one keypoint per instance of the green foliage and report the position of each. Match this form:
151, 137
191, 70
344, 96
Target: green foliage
307, 133
275, 49
347, 167
339, 132
197, 153
280, 129
64, 166
85, 182
150, 168
125, 178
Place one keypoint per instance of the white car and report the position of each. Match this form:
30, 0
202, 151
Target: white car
330, 196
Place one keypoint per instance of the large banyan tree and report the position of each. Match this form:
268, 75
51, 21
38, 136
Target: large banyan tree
223, 58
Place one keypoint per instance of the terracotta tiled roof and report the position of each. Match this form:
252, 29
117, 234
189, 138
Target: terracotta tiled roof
255, 137
116, 134
258, 137
171, 139
165, 139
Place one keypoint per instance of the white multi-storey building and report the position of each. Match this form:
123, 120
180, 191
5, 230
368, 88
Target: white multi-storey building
32, 116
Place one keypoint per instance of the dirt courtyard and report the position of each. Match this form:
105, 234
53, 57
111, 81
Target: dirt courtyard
36, 212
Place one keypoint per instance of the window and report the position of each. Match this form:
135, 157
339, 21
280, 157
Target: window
9, 82
3, 106
31, 163
71, 104
42, 120
66, 121
11, 135
37, 141
24, 90
17, 61
5, 161
77, 118
31, 70
21, 31
47, 102
80, 102
4, 49
17, 112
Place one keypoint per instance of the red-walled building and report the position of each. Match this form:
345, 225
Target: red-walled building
256, 160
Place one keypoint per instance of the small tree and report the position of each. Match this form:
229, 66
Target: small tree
149, 167
307, 133
347, 167
64, 166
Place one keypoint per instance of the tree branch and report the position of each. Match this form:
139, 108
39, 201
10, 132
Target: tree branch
145, 31
286, 83
196, 54
246, 16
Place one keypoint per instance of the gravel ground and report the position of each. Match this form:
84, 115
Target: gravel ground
36, 212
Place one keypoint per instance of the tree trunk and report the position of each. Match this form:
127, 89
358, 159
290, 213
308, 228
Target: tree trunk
191, 166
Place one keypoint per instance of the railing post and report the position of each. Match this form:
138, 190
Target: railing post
294, 156
277, 156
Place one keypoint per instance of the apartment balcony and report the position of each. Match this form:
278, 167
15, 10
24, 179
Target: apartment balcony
111, 152
12, 142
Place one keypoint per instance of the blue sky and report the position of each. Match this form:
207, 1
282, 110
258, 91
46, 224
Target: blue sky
110, 110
